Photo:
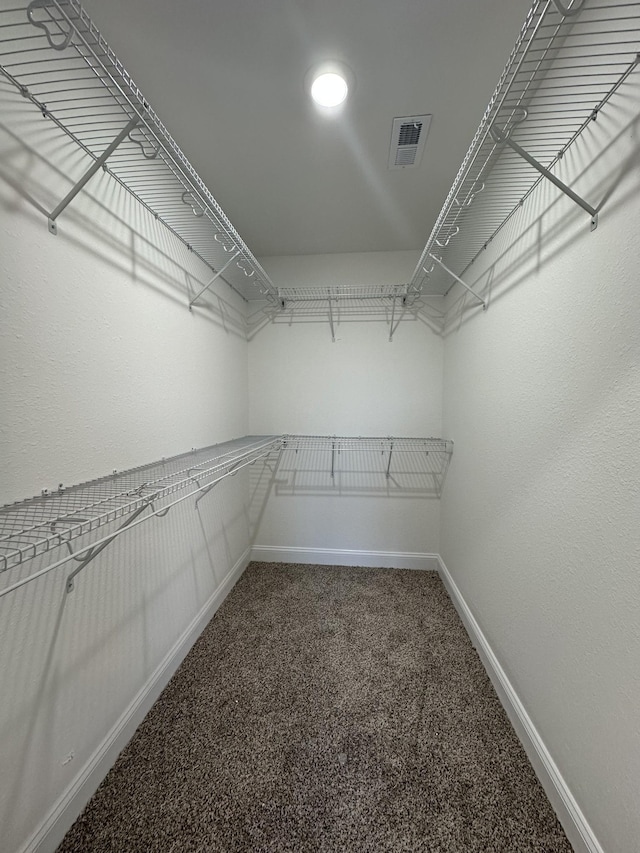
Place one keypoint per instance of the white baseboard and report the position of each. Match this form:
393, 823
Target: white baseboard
338, 557
569, 814
53, 829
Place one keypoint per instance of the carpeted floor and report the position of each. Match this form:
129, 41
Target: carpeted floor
325, 709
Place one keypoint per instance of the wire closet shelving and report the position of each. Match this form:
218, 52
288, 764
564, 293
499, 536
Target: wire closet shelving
84, 517
568, 61
55, 56
42, 524
371, 465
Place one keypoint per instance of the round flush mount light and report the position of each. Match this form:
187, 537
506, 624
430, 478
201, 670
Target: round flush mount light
328, 84
329, 89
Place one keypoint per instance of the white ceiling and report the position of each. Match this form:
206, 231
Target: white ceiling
227, 79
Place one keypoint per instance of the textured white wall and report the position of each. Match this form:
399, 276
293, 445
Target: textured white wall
302, 382
103, 367
541, 509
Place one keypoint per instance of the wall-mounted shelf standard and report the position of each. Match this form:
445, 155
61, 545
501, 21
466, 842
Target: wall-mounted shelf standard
569, 60
55, 56
40, 525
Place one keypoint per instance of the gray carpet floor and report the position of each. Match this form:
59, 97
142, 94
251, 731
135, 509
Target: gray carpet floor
325, 709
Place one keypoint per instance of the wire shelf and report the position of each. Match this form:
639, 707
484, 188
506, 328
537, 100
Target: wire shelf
381, 444
38, 525
55, 56
568, 61
363, 465
345, 293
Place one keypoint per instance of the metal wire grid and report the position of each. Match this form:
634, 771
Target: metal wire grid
376, 443
37, 525
56, 57
344, 309
340, 303
345, 292
318, 464
562, 71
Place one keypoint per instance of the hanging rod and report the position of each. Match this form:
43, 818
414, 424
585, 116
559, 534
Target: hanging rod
55, 56
570, 58
57, 517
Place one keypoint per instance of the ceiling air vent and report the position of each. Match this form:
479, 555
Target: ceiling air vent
408, 136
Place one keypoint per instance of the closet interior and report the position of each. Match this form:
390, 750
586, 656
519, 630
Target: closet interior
90, 167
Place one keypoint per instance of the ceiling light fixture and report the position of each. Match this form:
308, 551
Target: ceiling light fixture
328, 84
329, 89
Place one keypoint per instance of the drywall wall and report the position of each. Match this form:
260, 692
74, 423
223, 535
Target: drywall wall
104, 368
104, 365
540, 509
300, 381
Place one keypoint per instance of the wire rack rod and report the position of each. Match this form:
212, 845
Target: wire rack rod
563, 70
51, 51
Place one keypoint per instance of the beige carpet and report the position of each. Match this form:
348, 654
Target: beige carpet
325, 709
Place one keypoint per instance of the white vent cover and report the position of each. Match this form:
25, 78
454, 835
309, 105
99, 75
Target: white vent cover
408, 137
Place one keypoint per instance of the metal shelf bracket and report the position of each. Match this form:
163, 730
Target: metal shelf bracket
388, 471
392, 326
216, 276
565, 11
102, 159
92, 553
503, 137
333, 331
460, 281
230, 471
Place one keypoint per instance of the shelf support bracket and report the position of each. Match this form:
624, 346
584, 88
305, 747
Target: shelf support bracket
393, 312
388, 472
565, 11
230, 470
460, 281
102, 159
333, 458
216, 276
92, 553
392, 327
503, 137
333, 332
